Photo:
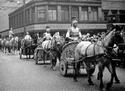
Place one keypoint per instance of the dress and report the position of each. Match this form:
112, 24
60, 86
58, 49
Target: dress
11, 34
74, 33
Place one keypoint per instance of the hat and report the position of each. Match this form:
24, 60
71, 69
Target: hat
74, 18
47, 27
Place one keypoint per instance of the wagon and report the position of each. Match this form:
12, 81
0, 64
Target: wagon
67, 57
41, 55
27, 51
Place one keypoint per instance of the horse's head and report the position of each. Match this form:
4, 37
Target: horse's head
118, 38
58, 42
114, 37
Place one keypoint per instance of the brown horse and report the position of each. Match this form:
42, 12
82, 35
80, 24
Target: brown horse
101, 52
27, 47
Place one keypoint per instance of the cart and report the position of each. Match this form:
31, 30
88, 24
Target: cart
67, 57
41, 55
27, 51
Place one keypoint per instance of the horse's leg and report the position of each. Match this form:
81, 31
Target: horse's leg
88, 69
53, 65
111, 70
10, 50
53, 57
29, 53
75, 71
114, 69
78, 67
44, 55
100, 74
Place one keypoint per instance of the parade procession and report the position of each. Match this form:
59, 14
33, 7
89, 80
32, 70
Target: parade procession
62, 45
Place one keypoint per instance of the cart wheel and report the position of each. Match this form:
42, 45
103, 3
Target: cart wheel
20, 53
63, 68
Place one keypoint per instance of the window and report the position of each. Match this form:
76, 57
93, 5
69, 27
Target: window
65, 13
52, 13
105, 15
28, 15
94, 14
75, 12
41, 13
33, 15
84, 14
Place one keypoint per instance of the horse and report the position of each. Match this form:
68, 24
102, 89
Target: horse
26, 46
14, 43
7, 45
56, 50
51, 48
89, 54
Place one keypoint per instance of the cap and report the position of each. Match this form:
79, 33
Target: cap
47, 27
74, 18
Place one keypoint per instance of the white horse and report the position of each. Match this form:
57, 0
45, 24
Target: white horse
100, 52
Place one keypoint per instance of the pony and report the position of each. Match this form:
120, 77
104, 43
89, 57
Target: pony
7, 45
50, 49
26, 47
56, 50
89, 54
10, 45
14, 43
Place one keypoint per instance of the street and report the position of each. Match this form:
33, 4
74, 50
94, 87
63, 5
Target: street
25, 75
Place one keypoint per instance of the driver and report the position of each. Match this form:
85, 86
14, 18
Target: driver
73, 32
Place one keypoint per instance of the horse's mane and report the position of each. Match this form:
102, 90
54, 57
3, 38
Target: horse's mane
57, 34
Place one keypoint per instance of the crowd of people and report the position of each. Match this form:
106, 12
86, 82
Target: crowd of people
73, 33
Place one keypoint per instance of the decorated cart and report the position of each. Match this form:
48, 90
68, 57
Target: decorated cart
41, 55
67, 57
27, 48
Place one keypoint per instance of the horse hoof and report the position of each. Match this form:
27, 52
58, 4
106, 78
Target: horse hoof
108, 86
75, 80
117, 82
54, 69
101, 86
91, 83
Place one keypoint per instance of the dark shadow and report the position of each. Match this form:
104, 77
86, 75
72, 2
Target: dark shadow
81, 75
117, 88
43, 64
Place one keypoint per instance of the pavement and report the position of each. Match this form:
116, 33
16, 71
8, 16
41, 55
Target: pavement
24, 75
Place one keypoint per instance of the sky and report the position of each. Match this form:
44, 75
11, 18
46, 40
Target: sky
7, 6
